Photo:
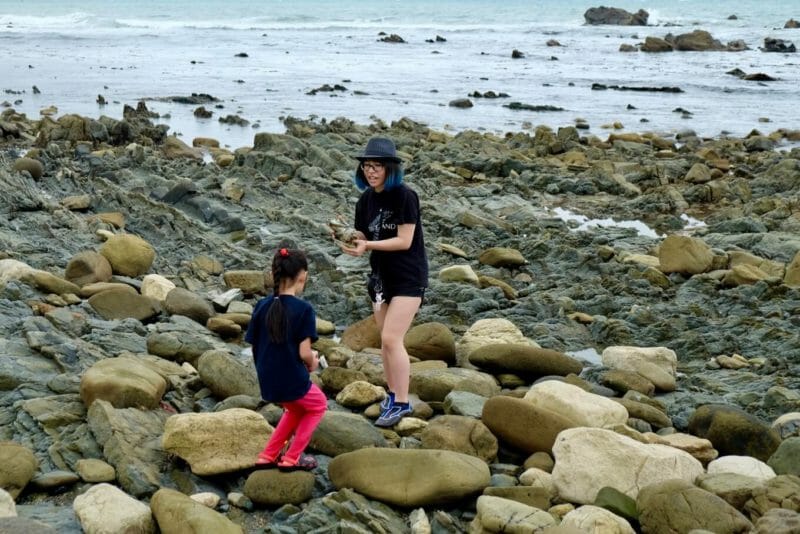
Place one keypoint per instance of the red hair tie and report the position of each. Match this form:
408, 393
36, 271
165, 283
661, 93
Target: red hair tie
284, 253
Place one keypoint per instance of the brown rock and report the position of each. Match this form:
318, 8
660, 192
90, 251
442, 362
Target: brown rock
129, 255
361, 335
512, 420
88, 267
32, 166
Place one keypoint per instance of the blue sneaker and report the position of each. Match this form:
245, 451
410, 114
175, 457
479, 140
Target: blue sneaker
387, 402
392, 415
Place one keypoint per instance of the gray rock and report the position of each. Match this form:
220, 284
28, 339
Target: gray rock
174, 511
184, 302
274, 488
131, 441
464, 403
227, 375
53, 480
786, 459
340, 432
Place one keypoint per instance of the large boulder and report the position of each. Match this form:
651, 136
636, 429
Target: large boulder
588, 518
128, 254
181, 301
105, 509
615, 16
646, 412
524, 360
176, 513
588, 459
88, 267
735, 489
502, 257
251, 282
274, 488
786, 459
669, 506
497, 514
522, 424
575, 404
769, 267
131, 441
734, 431
341, 432
700, 448
783, 491
657, 364
489, 332
124, 382
362, 335
93, 470
226, 376
459, 274
124, 303
33, 166
13, 270
431, 341
685, 255
655, 44
436, 384
156, 287
460, 434
696, 41
49, 283
741, 465
408, 477
778, 521
17, 467
174, 148
220, 442
359, 394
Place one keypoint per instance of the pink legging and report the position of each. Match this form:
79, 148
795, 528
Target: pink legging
300, 417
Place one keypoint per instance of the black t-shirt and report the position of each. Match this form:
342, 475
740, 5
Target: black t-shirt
377, 217
282, 375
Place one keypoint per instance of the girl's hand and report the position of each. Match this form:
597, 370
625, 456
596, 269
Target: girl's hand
357, 250
314, 363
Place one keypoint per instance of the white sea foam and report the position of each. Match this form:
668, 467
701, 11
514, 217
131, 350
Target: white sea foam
585, 223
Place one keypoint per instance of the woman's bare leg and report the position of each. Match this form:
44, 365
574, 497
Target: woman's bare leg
396, 321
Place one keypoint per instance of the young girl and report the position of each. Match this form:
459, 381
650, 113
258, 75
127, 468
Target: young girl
389, 225
281, 331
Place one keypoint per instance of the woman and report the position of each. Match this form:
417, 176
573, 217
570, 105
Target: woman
388, 224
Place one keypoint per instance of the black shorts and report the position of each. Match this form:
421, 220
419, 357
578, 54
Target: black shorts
376, 286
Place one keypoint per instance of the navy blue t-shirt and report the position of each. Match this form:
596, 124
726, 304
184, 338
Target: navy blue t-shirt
282, 375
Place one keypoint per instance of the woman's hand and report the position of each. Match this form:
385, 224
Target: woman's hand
357, 250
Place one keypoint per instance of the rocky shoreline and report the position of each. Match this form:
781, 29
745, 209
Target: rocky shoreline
565, 381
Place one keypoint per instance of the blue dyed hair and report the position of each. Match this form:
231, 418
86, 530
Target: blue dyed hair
394, 176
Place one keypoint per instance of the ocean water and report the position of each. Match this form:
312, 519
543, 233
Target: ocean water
126, 50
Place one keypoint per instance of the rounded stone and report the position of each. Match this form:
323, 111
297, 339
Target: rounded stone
93, 470
128, 254
17, 466
274, 488
409, 478
32, 166
88, 267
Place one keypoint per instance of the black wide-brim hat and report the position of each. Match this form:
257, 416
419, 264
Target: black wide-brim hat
379, 148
